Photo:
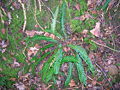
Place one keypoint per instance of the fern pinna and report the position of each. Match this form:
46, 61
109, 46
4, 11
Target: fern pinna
56, 56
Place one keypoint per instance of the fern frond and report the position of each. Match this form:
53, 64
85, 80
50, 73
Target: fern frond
38, 37
69, 76
69, 59
63, 19
54, 20
83, 54
47, 46
80, 69
47, 71
57, 60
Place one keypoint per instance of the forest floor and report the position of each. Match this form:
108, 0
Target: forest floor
95, 24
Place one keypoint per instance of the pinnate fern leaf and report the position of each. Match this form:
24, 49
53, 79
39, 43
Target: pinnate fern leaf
69, 59
54, 20
38, 37
80, 69
83, 54
69, 76
57, 60
63, 19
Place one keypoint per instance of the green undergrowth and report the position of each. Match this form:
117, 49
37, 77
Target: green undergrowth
56, 55
55, 22
78, 25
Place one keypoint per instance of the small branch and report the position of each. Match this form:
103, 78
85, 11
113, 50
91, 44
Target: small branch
105, 46
24, 13
39, 2
36, 16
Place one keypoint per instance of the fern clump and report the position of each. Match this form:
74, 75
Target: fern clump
57, 55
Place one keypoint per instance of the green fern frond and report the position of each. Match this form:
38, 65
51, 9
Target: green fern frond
37, 61
80, 69
69, 76
47, 46
54, 20
57, 61
38, 37
83, 54
63, 9
69, 59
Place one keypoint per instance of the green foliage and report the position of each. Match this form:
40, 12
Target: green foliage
6, 83
83, 55
37, 37
69, 76
63, 10
57, 56
106, 5
69, 59
54, 20
80, 69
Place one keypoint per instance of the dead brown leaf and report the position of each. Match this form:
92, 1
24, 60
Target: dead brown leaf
72, 83
96, 30
32, 51
77, 6
3, 30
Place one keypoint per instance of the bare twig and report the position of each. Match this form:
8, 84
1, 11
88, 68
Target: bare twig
105, 46
39, 2
24, 13
36, 16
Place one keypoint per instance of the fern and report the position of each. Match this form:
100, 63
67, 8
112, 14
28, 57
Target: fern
54, 20
80, 69
38, 37
69, 59
83, 54
62, 19
57, 55
69, 76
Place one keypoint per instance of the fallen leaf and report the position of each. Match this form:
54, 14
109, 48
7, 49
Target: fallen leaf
30, 33
20, 86
83, 17
3, 31
32, 52
72, 83
77, 6
96, 30
113, 70
1, 69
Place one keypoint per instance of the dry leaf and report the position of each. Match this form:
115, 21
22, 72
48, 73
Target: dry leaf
32, 52
20, 86
77, 6
3, 31
113, 70
72, 83
30, 33
96, 30
83, 17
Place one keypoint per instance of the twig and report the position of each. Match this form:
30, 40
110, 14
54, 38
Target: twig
36, 16
39, 2
24, 13
105, 46
104, 73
